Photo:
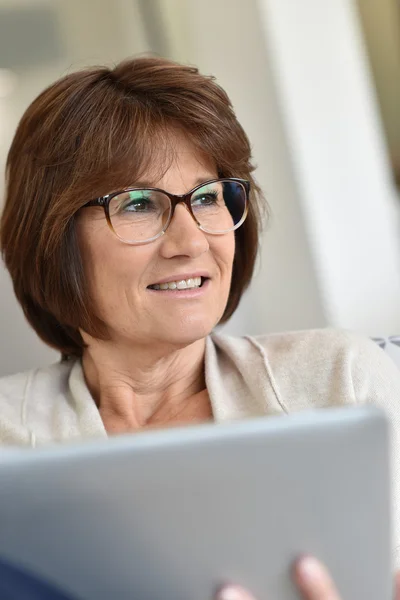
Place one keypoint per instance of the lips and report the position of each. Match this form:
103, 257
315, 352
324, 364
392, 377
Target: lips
180, 281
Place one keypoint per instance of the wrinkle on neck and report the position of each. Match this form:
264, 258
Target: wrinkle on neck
134, 390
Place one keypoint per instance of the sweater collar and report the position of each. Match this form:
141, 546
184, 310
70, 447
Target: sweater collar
237, 380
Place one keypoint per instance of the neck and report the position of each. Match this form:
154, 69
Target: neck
134, 387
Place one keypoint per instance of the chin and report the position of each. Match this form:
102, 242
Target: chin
186, 331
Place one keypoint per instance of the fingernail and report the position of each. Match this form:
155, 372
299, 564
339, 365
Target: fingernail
233, 592
309, 569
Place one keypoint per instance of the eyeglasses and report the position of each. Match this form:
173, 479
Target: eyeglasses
140, 216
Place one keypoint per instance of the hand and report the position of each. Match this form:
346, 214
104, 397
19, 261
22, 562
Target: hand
311, 578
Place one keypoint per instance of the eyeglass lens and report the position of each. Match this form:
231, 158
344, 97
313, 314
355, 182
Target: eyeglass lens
139, 215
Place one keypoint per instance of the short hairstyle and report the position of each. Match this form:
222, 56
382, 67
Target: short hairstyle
87, 134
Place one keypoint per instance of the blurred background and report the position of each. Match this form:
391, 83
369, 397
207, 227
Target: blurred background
316, 85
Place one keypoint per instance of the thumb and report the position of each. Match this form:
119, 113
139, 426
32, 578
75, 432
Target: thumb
234, 592
314, 581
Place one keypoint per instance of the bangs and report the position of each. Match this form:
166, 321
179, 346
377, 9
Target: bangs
126, 150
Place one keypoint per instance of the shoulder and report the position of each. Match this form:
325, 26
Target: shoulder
309, 346
349, 363
315, 344
320, 367
324, 348
21, 391
333, 354
48, 379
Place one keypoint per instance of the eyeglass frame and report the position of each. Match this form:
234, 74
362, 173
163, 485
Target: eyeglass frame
174, 199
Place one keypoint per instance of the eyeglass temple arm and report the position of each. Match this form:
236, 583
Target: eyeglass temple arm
96, 202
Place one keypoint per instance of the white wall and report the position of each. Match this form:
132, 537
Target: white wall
339, 158
381, 23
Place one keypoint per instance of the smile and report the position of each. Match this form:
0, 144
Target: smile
182, 284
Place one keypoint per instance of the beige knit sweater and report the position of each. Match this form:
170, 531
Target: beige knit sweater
273, 374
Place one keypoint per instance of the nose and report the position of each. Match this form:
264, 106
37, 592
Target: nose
183, 237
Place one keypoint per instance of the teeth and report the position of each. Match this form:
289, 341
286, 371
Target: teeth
182, 284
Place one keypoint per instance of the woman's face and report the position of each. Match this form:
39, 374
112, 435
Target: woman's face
120, 275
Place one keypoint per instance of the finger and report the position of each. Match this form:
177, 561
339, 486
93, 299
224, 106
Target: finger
397, 586
233, 592
314, 581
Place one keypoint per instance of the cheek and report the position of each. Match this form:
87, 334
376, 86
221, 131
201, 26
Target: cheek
223, 248
110, 266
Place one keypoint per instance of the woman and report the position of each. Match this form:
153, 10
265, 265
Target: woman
130, 230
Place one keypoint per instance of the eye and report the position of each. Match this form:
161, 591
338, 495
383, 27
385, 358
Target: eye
135, 201
206, 198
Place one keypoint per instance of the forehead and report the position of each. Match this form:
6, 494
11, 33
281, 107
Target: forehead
181, 161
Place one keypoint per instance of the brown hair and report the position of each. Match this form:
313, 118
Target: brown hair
90, 133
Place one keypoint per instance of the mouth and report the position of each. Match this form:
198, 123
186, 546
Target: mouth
181, 284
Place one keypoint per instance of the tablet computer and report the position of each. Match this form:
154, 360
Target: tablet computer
173, 514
